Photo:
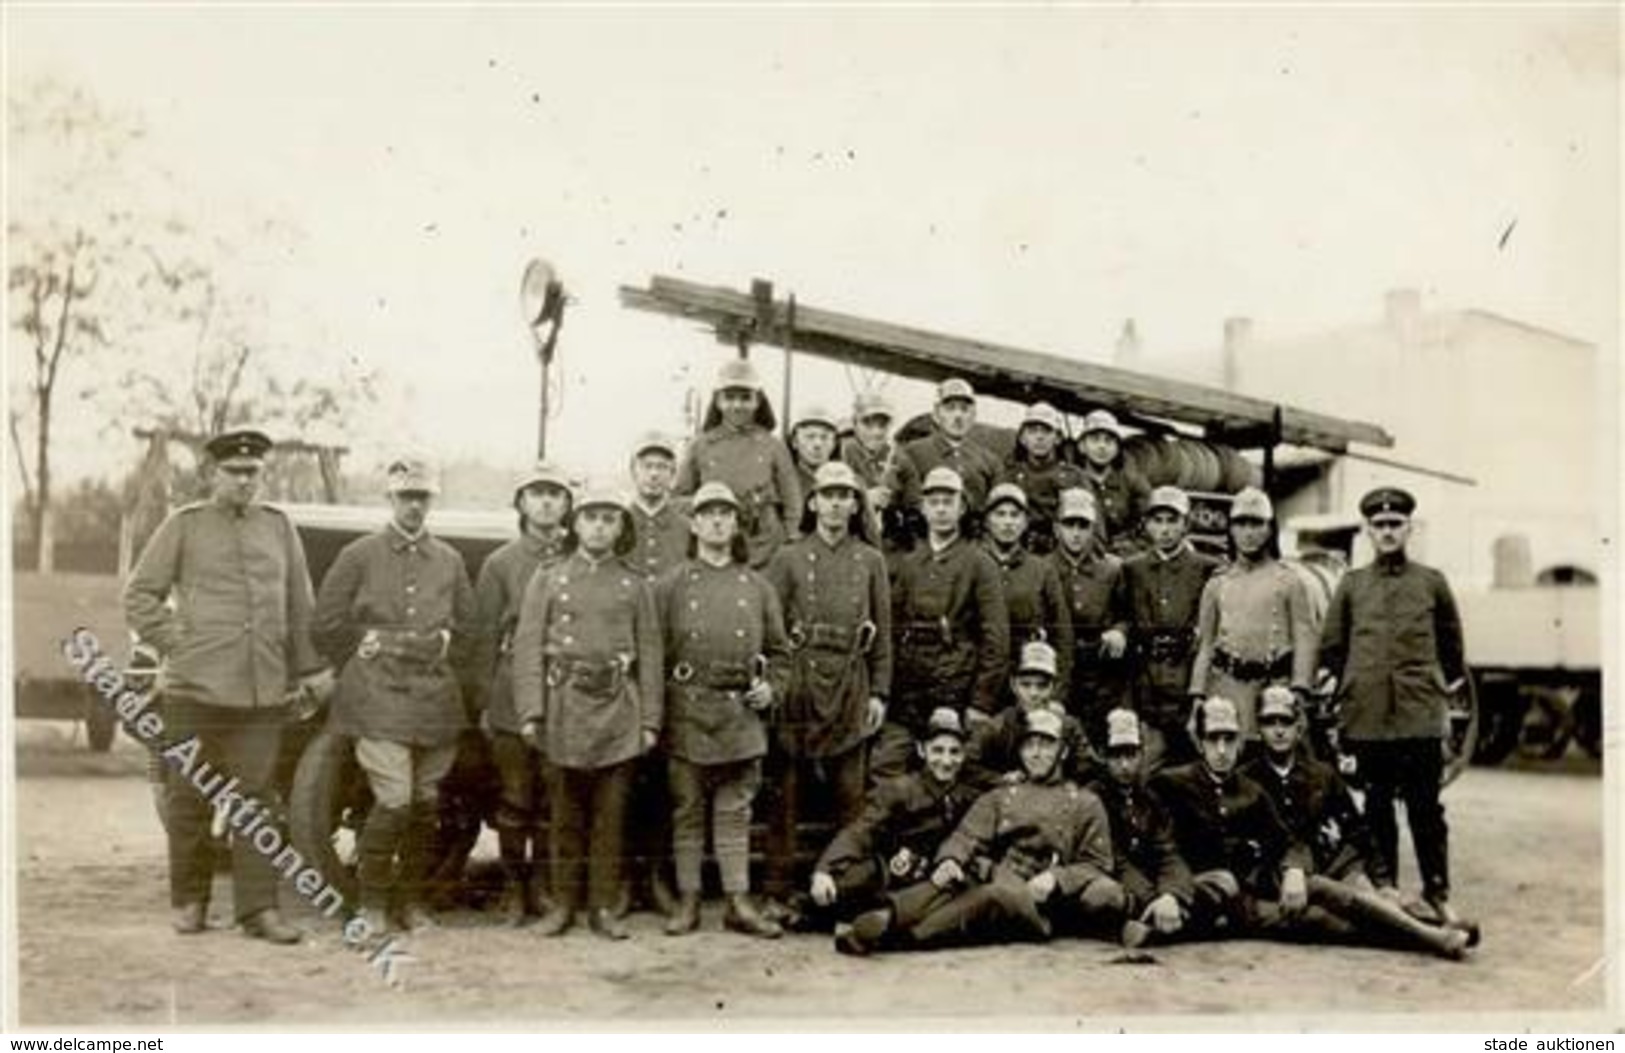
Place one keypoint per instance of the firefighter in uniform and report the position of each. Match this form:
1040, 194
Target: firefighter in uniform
1317, 806
397, 610
1162, 589
870, 452
542, 499
725, 652
950, 626
588, 688
1254, 626
993, 750
737, 447
1091, 582
891, 844
234, 639
1037, 466
1029, 859
1241, 852
1033, 599
814, 434
950, 445
1154, 878
1122, 495
1393, 638
837, 606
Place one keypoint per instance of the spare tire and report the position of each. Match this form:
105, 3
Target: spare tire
327, 805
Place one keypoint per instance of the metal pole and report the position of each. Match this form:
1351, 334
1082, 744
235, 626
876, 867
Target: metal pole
541, 417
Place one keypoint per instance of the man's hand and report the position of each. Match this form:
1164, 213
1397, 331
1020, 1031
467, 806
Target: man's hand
649, 738
975, 718
1294, 892
875, 717
823, 889
1113, 644
319, 685
1164, 914
531, 732
1042, 885
759, 695
948, 874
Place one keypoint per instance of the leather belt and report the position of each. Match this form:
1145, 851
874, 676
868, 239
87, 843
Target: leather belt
1244, 669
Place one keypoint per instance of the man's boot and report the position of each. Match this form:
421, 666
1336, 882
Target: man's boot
417, 856
191, 919
1378, 914
604, 922
268, 925
866, 934
514, 906
1450, 919
685, 917
742, 916
380, 837
661, 895
556, 922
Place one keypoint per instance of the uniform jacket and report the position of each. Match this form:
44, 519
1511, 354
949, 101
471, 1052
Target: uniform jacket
1122, 496
976, 465
662, 537
756, 466
1317, 807
497, 596
412, 594
1393, 636
579, 621
876, 468
1255, 612
1042, 483
1029, 828
1092, 587
951, 630
1229, 824
1160, 598
1148, 856
903, 822
994, 749
239, 630
721, 624
1037, 608
829, 594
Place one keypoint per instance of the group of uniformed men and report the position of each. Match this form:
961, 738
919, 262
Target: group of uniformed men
1038, 731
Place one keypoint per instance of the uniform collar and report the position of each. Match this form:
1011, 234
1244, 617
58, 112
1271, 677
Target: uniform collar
541, 545
650, 510
400, 540
1183, 547
932, 551
1089, 556
1013, 558
1394, 563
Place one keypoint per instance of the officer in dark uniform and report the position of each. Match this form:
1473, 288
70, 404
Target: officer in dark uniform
1392, 636
397, 610
223, 595
950, 626
1317, 806
1162, 589
542, 499
892, 842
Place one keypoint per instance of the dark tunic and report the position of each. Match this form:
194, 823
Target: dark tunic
951, 629
1160, 598
1037, 608
903, 822
1229, 824
756, 466
497, 596
1148, 859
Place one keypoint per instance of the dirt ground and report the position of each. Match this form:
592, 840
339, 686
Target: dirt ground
95, 948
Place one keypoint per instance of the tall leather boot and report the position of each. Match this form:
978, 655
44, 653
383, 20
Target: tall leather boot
381, 837
514, 907
1379, 915
417, 860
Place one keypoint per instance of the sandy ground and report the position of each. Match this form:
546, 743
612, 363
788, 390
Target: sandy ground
95, 948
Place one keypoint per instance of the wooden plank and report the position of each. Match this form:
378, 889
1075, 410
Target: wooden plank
1006, 372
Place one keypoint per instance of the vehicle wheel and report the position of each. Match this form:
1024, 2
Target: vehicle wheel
1548, 723
1500, 716
1588, 723
326, 806
1463, 729
101, 723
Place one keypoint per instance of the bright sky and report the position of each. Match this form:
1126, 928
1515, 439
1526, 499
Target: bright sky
1031, 176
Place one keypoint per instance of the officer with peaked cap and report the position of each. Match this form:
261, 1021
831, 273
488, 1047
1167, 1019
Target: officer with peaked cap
541, 496
1254, 625
950, 627
222, 593
396, 610
1393, 638
950, 445
726, 668
1039, 468
736, 446
836, 595
589, 691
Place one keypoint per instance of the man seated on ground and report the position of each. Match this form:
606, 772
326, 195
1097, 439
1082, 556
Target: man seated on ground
1318, 808
1027, 860
894, 839
993, 752
1228, 830
1155, 879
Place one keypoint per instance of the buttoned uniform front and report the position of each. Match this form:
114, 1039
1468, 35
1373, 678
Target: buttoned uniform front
1256, 613
1319, 810
993, 750
757, 467
951, 636
413, 594
878, 468
1091, 584
977, 466
1161, 596
224, 596
892, 842
1037, 608
1393, 635
1122, 496
1149, 864
1042, 482
662, 536
1228, 824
